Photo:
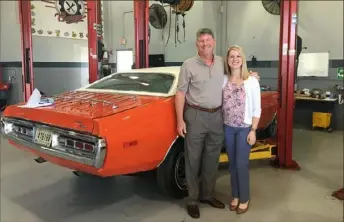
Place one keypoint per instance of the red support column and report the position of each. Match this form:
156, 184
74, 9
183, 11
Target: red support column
141, 18
93, 20
26, 43
283, 67
288, 28
289, 162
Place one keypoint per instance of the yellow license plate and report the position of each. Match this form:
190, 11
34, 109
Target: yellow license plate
43, 137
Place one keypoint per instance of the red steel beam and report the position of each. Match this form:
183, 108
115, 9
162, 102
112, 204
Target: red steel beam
26, 44
93, 18
141, 19
288, 28
289, 162
283, 67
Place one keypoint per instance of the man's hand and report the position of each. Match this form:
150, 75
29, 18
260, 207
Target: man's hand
181, 127
180, 101
255, 74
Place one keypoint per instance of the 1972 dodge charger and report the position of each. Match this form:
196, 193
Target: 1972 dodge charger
122, 124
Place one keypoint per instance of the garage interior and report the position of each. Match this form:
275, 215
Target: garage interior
63, 59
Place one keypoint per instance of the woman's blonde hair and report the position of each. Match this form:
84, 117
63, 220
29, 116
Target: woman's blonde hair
244, 71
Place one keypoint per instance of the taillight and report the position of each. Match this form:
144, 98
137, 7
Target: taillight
88, 147
76, 144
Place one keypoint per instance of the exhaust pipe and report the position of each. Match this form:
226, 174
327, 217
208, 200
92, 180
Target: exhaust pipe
76, 173
40, 160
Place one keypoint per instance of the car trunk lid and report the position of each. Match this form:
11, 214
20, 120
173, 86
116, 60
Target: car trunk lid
77, 110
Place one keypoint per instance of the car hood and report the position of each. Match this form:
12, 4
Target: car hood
75, 109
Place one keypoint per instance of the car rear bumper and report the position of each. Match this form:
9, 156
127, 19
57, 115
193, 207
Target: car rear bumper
48, 151
9, 129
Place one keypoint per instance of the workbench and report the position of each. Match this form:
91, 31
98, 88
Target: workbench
306, 105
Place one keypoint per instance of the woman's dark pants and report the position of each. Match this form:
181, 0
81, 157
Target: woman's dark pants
238, 151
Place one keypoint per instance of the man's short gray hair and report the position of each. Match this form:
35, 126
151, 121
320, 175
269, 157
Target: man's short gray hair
204, 31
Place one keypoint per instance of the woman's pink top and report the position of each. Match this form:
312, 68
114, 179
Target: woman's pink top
233, 105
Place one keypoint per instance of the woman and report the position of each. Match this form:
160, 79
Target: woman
241, 112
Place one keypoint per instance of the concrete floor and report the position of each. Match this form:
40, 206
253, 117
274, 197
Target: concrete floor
32, 192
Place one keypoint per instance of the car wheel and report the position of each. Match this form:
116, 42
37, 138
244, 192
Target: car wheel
272, 128
171, 173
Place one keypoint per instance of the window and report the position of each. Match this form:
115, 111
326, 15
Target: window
139, 82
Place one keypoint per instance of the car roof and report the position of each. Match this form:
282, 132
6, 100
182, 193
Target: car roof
170, 70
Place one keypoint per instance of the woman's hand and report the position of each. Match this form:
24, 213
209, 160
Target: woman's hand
251, 138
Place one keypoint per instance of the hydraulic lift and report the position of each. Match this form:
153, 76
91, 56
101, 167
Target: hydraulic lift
286, 75
94, 37
26, 42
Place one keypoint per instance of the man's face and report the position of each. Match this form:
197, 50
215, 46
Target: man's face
205, 44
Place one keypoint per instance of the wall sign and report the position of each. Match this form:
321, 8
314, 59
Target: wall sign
61, 18
70, 11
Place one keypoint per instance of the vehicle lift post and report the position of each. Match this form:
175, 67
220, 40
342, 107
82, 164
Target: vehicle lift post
24, 7
286, 75
141, 19
141, 23
94, 22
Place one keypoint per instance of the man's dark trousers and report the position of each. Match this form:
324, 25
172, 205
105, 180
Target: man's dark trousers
203, 143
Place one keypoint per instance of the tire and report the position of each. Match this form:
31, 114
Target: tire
272, 128
171, 173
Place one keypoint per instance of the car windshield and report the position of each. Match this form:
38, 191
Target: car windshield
141, 82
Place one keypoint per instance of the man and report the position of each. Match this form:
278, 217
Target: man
200, 122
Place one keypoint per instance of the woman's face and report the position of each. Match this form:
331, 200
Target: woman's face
234, 60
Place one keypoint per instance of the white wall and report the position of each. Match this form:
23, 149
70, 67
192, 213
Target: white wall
257, 31
10, 44
48, 49
45, 49
248, 24
321, 26
202, 14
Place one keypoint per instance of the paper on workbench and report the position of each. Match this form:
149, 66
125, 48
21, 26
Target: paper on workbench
36, 100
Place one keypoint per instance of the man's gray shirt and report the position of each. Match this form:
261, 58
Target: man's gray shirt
202, 84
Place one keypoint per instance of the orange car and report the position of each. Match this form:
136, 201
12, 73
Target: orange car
122, 124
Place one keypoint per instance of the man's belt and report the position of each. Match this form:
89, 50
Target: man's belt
209, 110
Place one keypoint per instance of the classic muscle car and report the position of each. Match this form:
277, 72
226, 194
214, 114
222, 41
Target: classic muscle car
122, 124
